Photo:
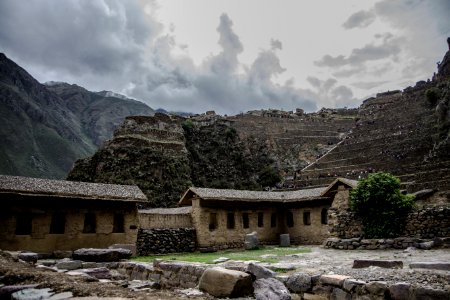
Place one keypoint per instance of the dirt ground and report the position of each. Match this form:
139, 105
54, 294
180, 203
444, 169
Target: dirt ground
319, 261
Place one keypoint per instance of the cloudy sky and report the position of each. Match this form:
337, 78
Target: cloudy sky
231, 55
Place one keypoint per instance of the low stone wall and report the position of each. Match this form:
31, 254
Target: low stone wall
165, 240
380, 244
176, 275
424, 223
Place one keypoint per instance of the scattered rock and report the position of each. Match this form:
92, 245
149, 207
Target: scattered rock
7, 290
251, 241
307, 296
69, 265
259, 272
336, 280
388, 264
47, 262
426, 245
191, 292
351, 284
220, 260
299, 282
285, 240
99, 273
61, 296
101, 255
220, 282
89, 265
32, 294
30, 257
270, 289
431, 294
282, 267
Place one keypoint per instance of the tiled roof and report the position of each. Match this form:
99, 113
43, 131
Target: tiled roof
63, 188
251, 196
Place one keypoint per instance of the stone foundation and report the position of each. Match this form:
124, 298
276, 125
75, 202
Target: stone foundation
380, 244
423, 223
162, 240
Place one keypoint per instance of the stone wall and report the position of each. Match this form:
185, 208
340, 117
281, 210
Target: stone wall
165, 240
424, 222
150, 220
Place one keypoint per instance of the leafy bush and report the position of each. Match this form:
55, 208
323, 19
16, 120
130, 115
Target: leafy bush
269, 176
381, 205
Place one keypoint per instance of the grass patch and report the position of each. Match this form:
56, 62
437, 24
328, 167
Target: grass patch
267, 254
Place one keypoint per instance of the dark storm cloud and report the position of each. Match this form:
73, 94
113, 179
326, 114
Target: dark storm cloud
360, 19
120, 46
389, 48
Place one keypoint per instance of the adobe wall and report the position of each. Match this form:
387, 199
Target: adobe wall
165, 240
222, 237
148, 221
40, 240
315, 233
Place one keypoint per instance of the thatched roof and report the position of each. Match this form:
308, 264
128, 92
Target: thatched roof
184, 210
63, 188
249, 196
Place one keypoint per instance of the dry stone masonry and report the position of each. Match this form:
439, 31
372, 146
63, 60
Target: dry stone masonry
169, 240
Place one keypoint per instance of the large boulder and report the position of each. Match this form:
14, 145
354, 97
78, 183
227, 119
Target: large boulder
270, 289
299, 282
251, 241
101, 255
285, 240
220, 282
69, 265
30, 257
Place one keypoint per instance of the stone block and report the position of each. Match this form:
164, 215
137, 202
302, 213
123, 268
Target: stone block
351, 284
388, 264
426, 245
308, 296
299, 282
270, 289
377, 288
69, 265
285, 240
400, 291
131, 247
221, 282
259, 272
431, 294
101, 255
60, 254
251, 241
431, 265
338, 294
335, 280
30, 257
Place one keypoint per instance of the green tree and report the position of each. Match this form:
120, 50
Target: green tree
381, 205
269, 176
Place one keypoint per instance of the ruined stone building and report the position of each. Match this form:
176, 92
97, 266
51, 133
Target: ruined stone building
44, 215
221, 218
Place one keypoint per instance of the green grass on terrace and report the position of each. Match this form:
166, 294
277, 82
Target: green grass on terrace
269, 254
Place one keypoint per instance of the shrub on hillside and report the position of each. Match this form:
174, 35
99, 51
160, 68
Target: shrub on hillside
381, 206
432, 95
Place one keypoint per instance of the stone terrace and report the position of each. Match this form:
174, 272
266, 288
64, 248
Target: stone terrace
394, 134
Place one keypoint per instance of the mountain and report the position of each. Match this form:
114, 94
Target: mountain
99, 113
45, 129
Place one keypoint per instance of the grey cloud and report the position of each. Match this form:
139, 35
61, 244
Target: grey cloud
119, 45
360, 19
367, 85
331, 93
390, 47
276, 44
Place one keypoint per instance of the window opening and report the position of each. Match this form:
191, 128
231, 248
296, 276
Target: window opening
230, 220
118, 223
58, 223
260, 219
212, 221
89, 223
245, 220
307, 218
23, 224
290, 219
